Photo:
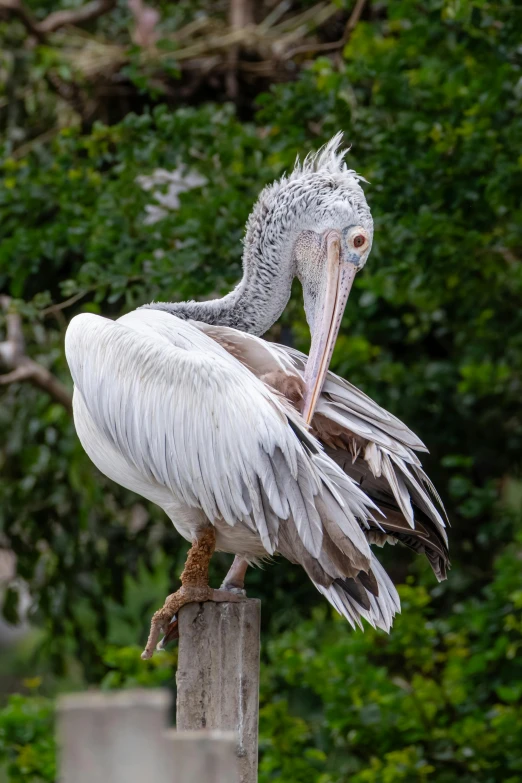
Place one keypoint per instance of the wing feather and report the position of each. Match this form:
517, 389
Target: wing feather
369, 443
185, 404
190, 417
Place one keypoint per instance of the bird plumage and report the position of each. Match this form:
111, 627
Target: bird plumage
371, 446
186, 405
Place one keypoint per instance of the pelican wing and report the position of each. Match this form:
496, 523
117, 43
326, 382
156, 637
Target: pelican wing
371, 445
378, 451
182, 414
189, 417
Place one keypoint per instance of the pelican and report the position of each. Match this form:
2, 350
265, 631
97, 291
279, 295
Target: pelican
251, 447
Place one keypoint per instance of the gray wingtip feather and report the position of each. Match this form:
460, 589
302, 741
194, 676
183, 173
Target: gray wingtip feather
383, 607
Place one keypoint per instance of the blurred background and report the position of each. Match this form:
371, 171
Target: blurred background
135, 136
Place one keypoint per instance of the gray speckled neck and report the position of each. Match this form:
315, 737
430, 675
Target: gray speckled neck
321, 193
252, 307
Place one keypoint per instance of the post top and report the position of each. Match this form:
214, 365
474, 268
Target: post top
159, 698
196, 735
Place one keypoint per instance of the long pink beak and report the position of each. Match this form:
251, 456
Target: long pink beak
339, 279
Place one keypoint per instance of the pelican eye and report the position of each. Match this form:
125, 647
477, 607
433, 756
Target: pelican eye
359, 240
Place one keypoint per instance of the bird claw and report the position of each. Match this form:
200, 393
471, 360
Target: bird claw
228, 596
171, 635
239, 591
165, 620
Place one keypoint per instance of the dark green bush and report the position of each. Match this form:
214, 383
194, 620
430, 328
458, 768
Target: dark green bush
437, 700
27, 746
429, 95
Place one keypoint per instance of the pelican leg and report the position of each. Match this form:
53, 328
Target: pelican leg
194, 589
235, 579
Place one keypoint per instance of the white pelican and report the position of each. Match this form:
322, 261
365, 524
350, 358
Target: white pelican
250, 447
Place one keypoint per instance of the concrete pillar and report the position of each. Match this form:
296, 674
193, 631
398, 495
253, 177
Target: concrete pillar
202, 757
115, 737
218, 674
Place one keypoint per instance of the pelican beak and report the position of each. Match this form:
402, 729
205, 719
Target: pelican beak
339, 279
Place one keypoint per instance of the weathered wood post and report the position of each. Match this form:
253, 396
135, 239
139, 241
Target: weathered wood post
122, 737
218, 674
115, 737
201, 757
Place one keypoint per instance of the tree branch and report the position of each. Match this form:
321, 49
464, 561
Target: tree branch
76, 16
235, 55
351, 24
18, 9
240, 15
15, 376
21, 368
57, 19
55, 308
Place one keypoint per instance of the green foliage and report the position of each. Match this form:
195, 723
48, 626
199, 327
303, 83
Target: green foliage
127, 670
27, 746
429, 95
74, 222
437, 700
432, 330
84, 225
429, 99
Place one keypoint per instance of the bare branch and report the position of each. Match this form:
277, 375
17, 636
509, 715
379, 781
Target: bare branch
351, 24
235, 53
21, 373
508, 255
240, 16
24, 14
57, 19
55, 308
41, 377
43, 138
21, 367
15, 335
76, 16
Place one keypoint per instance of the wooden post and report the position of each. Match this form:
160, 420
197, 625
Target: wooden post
218, 674
201, 757
121, 737
115, 737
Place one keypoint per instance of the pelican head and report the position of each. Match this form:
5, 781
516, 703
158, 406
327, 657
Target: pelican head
317, 226
313, 224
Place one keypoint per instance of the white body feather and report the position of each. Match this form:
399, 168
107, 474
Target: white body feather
177, 410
